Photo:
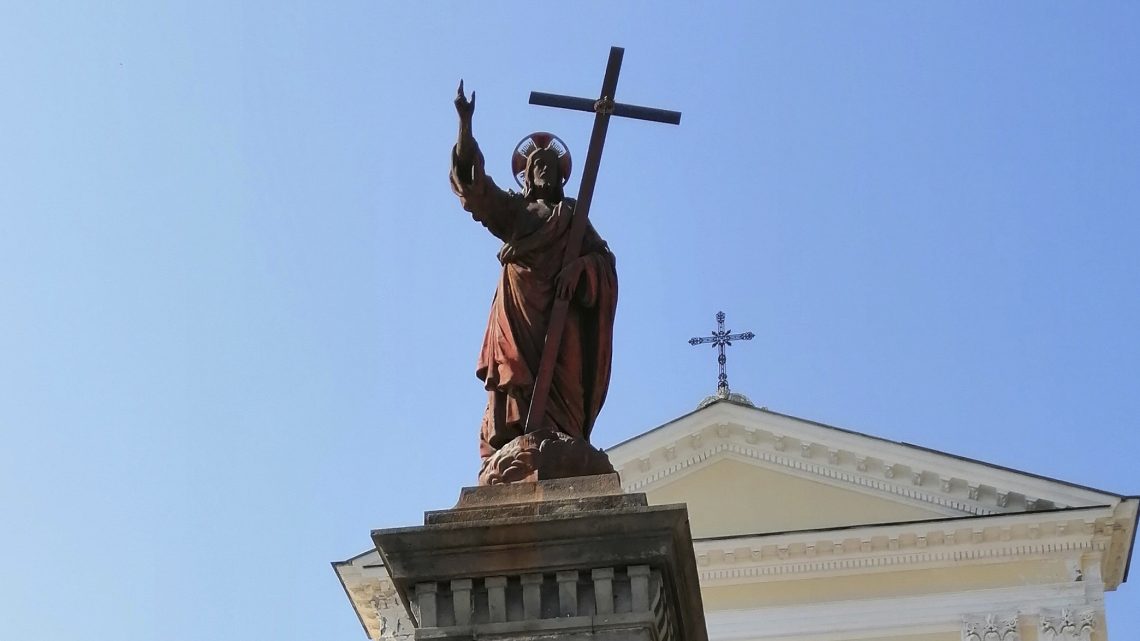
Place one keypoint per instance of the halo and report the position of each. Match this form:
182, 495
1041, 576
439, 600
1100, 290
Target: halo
538, 140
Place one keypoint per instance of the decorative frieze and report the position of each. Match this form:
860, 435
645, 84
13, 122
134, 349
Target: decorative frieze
992, 627
1068, 625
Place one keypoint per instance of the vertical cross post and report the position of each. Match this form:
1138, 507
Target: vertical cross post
602, 108
720, 339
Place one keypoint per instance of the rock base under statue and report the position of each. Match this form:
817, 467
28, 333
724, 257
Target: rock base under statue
543, 455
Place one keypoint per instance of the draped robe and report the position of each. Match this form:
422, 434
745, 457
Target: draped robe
534, 235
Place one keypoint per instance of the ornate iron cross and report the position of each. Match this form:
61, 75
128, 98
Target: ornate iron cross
720, 339
602, 108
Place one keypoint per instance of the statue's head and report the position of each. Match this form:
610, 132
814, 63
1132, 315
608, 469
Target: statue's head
541, 165
543, 176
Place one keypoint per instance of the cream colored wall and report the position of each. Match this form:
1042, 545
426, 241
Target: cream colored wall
938, 636
884, 584
733, 498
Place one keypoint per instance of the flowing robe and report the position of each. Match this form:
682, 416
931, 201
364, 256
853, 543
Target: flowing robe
534, 235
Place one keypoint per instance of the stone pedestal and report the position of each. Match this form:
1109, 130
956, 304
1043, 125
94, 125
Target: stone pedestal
570, 558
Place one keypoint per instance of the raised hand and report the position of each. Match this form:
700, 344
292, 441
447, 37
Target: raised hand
464, 107
465, 146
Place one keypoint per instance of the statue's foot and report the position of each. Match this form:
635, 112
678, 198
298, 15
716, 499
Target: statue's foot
543, 455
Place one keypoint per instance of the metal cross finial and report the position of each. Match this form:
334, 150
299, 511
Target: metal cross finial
720, 339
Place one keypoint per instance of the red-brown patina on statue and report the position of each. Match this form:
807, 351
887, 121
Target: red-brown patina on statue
534, 227
552, 317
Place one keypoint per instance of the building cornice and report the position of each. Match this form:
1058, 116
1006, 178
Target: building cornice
1071, 535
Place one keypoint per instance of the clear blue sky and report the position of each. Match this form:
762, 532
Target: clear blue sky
241, 307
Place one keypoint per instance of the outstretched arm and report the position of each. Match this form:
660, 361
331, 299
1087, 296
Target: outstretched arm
500, 212
465, 146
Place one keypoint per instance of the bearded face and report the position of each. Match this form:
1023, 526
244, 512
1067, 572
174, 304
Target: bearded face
544, 181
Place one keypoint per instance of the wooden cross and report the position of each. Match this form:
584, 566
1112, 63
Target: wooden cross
603, 108
720, 339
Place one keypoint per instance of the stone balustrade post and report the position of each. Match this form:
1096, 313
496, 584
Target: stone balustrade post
425, 598
461, 600
567, 593
496, 598
603, 590
639, 587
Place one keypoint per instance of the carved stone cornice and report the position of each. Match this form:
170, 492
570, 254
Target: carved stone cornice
920, 544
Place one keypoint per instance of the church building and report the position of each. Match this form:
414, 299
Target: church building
809, 532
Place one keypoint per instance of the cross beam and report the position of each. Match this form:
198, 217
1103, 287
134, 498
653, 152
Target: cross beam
603, 107
619, 108
720, 339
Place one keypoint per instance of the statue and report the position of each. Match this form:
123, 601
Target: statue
533, 226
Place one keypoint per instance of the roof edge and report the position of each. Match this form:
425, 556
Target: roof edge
721, 403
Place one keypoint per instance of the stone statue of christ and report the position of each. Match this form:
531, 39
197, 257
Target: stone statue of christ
534, 226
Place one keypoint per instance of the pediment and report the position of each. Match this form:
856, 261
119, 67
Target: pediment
746, 470
729, 497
